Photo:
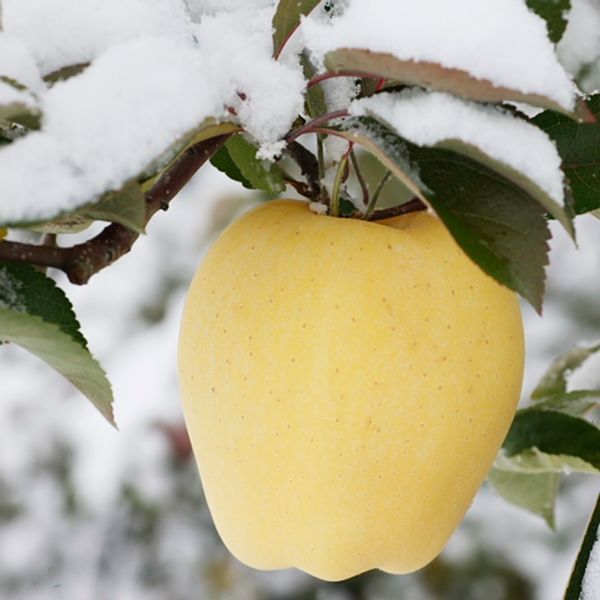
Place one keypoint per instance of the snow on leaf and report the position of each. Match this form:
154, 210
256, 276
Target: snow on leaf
63, 32
496, 138
100, 129
506, 56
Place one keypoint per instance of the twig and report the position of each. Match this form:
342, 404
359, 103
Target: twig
325, 76
84, 260
313, 125
415, 205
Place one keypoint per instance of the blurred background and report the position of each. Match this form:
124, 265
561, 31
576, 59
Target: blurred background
87, 512
90, 513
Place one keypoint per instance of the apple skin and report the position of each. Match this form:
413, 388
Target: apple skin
346, 386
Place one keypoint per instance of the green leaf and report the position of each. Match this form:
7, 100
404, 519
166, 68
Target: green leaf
25, 289
554, 433
65, 73
223, 162
126, 206
579, 147
435, 76
535, 492
534, 461
530, 479
20, 112
554, 382
62, 352
316, 104
583, 564
576, 403
555, 13
498, 225
35, 314
207, 130
287, 20
261, 174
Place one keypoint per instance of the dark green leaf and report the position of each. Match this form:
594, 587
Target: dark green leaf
579, 147
583, 562
554, 433
499, 225
222, 161
555, 13
554, 382
261, 174
62, 352
535, 492
287, 20
316, 104
36, 314
25, 289
126, 206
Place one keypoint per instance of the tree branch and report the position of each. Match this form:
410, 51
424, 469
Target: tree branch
414, 205
84, 260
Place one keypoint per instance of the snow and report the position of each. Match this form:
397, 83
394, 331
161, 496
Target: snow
434, 30
154, 76
100, 129
11, 95
240, 44
431, 118
199, 8
579, 47
590, 589
67, 32
17, 63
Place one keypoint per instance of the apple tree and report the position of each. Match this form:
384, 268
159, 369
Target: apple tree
481, 113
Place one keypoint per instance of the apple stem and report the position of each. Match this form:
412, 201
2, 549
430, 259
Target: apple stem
361, 180
340, 176
373, 202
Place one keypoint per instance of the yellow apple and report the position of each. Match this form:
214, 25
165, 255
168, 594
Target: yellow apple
346, 386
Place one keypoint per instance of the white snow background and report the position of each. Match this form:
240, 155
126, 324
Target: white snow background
130, 312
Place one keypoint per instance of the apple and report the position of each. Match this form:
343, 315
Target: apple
346, 386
